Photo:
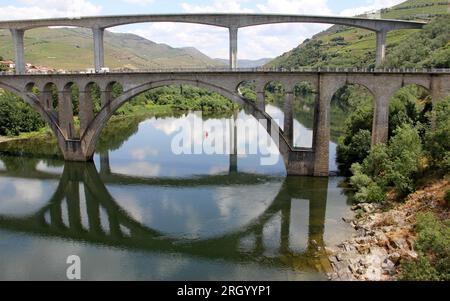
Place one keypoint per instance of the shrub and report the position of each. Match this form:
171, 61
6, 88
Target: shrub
419, 270
353, 150
447, 197
16, 116
393, 165
373, 193
405, 152
433, 245
437, 137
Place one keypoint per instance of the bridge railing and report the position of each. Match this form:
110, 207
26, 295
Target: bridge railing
258, 69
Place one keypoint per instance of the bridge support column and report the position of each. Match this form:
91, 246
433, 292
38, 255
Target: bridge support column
381, 47
439, 90
19, 50
99, 55
260, 96
380, 127
233, 47
289, 117
106, 97
46, 100
86, 110
65, 113
321, 138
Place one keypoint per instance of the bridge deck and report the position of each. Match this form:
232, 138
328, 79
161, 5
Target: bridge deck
248, 70
212, 19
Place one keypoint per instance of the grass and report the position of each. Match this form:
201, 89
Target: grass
72, 49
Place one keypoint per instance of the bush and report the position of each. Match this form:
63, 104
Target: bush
419, 270
16, 116
433, 245
437, 137
394, 165
447, 197
405, 152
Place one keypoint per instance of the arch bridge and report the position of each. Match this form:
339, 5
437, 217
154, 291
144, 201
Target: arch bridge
231, 21
80, 146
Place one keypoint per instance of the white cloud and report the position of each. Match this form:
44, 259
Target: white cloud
141, 154
307, 7
254, 42
229, 6
371, 5
140, 2
141, 168
36, 9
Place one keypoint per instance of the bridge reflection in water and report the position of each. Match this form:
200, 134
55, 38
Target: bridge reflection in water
81, 188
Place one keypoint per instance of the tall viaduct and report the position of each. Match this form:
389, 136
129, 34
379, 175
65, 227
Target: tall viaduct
80, 146
231, 21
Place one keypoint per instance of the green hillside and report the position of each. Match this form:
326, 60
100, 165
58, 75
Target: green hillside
342, 46
72, 49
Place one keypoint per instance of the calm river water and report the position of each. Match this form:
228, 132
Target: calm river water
140, 212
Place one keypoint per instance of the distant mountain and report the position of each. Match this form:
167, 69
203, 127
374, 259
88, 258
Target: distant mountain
72, 49
247, 63
342, 46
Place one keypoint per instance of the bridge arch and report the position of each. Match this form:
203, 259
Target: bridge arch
33, 100
409, 104
92, 134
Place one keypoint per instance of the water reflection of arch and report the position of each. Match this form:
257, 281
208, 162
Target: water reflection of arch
125, 232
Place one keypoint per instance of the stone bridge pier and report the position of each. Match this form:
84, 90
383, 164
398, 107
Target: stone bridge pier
79, 144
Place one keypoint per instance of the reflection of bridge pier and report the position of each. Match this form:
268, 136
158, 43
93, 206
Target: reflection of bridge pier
105, 167
233, 144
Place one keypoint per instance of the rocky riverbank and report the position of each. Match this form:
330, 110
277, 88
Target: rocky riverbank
384, 236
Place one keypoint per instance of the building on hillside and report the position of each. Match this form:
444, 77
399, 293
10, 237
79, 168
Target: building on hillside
39, 69
8, 64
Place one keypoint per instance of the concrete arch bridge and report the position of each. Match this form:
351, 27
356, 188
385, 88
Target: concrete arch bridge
298, 161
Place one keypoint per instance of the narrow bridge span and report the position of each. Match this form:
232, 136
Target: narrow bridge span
231, 21
80, 146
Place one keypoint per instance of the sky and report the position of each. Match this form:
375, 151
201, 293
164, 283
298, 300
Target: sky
266, 41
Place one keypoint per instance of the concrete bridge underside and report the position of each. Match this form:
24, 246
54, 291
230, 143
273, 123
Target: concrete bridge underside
231, 21
298, 161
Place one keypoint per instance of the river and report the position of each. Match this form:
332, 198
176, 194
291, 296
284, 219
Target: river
141, 212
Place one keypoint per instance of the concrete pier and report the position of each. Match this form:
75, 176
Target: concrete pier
19, 50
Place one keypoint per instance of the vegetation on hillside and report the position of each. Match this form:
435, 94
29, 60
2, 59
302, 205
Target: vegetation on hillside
342, 46
72, 49
428, 48
433, 245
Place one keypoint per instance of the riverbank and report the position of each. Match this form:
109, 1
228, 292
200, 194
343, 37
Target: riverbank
385, 236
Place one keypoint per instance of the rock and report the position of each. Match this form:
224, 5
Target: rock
347, 220
395, 257
368, 208
388, 267
378, 251
329, 250
408, 254
361, 232
398, 242
373, 273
